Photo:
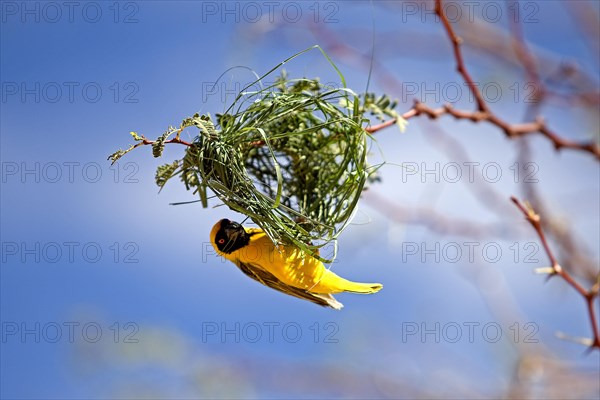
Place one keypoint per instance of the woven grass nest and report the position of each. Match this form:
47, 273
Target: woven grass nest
291, 156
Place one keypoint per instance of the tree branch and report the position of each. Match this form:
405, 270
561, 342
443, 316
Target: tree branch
460, 64
483, 112
589, 295
174, 140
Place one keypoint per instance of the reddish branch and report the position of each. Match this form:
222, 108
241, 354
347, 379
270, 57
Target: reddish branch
145, 141
460, 64
589, 295
511, 130
483, 113
174, 140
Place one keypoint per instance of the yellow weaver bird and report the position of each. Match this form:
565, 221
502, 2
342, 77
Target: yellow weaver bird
284, 268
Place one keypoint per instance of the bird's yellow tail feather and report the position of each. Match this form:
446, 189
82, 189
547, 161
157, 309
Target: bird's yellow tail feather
362, 288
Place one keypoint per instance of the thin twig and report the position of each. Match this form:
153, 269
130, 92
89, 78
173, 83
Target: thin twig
589, 295
460, 64
174, 140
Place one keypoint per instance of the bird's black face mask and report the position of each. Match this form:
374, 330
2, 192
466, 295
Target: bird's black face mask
231, 236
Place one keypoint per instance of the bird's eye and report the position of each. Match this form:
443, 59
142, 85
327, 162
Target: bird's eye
221, 241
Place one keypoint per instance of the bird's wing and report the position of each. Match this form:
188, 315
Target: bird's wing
268, 279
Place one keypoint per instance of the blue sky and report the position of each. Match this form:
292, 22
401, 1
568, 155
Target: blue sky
87, 245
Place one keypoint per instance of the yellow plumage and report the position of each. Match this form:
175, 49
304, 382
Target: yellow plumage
287, 268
